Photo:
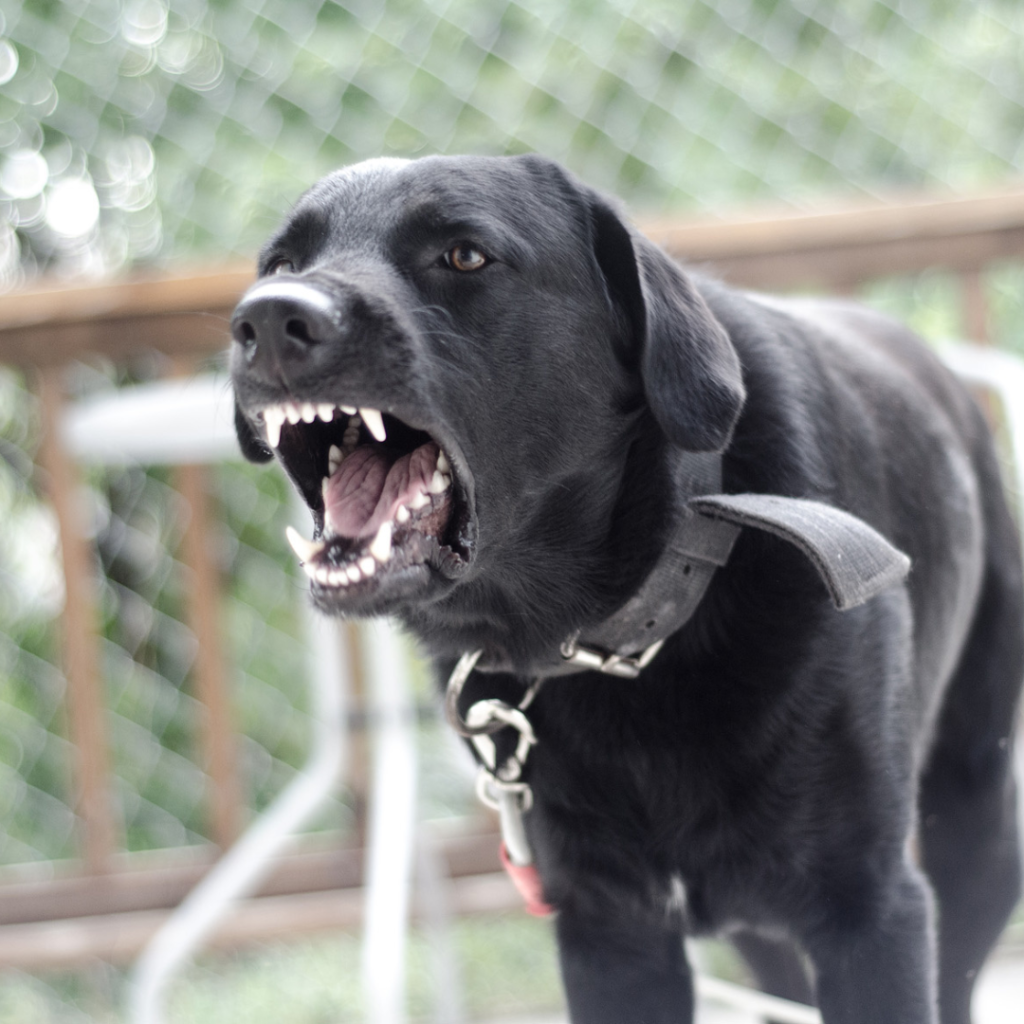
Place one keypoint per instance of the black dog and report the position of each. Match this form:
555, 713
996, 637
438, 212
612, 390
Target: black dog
509, 414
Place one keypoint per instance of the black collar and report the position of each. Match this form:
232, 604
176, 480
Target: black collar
854, 561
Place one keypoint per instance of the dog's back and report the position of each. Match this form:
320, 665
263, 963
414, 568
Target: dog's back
879, 427
908, 449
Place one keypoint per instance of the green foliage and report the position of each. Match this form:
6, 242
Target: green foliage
669, 105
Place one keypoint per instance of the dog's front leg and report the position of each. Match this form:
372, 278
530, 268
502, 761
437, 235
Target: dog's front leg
882, 969
619, 971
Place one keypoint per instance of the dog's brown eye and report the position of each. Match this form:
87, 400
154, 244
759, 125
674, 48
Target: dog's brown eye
465, 257
281, 266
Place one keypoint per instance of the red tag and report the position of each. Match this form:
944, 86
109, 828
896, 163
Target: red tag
527, 880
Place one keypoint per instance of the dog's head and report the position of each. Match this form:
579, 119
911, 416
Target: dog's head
455, 360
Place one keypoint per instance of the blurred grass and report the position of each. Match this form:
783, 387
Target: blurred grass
508, 966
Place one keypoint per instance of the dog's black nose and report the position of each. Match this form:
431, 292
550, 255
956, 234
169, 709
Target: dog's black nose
283, 321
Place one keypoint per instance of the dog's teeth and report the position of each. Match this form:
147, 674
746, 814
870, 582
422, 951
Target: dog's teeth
332, 577
351, 436
325, 411
402, 515
368, 565
334, 459
320, 573
353, 573
307, 550
349, 409
420, 501
442, 463
312, 571
274, 417
292, 412
308, 411
374, 423
439, 482
381, 546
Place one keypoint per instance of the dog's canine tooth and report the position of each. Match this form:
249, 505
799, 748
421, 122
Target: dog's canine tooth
442, 462
374, 423
307, 550
402, 515
367, 565
273, 417
312, 571
325, 411
439, 483
381, 546
335, 457
292, 412
348, 409
308, 411
353, 573
420, 501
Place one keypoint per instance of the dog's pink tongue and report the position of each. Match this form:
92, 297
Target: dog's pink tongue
368, 487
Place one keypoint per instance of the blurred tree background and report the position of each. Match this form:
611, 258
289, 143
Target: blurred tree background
154, 130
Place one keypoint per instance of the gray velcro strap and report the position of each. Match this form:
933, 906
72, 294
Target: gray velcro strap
855, 561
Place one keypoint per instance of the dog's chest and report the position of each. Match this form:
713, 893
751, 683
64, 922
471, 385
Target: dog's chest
653, 829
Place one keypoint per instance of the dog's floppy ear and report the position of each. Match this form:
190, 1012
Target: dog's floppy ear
253, 447
690, 370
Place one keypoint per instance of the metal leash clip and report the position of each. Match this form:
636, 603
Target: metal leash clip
511, 800
498, 786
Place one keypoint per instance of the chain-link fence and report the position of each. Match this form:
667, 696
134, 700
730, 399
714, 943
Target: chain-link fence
137, 521
138, 132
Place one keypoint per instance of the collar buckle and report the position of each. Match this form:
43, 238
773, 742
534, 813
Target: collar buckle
620, 665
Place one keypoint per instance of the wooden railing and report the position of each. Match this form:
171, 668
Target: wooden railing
185, 316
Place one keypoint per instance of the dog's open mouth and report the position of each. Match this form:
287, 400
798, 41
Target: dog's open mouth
383, 494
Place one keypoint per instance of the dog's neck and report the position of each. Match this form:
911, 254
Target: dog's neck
624, 642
